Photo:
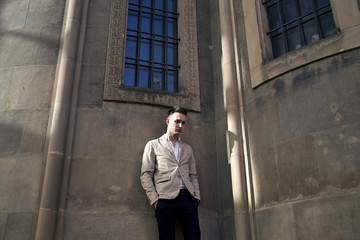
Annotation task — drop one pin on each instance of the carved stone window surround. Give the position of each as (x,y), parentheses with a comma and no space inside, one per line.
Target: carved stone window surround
(189,92)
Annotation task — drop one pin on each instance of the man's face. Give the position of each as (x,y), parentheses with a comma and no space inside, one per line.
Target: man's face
(176,123)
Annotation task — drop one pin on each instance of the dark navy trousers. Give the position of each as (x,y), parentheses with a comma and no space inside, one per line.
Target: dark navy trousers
(183,208)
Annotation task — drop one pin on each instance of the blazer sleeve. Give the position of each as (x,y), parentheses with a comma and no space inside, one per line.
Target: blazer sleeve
(193,176)
(147,173)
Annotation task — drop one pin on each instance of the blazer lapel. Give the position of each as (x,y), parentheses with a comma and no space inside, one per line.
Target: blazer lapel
(167,146)
(180,150)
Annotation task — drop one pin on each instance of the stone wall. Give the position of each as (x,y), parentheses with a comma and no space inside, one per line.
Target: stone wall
(29,44)
(304,133)
(226,209)
(302,128)
(105,198)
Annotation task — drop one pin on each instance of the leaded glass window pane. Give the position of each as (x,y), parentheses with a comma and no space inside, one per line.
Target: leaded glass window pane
(311,32)
(151,56)
(289,8)
(306,7)
(278,45)
(295,23)
(327,25)
(294,38)
(274,16)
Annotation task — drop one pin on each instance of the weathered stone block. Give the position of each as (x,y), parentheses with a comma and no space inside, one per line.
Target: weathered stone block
(208,183)
(142,227)
(209,228)
(34,132)
(12,19)
(318,97)
(44,16)
(11,130)
(31,87)
(7,5)
(128,127)
(101,184)
(93,226)
(83,184)
(18,48)
(95,45)
(275,223)
(91,87)
(19,226)
(224,191)
(347,111)
(308,108)
(266,177)
(5,84)
(49,42)
(337,153)
(329,218)
(263,123)
(298,170)
(47,4)
(3,218)
(205,161)
(20,179)
(99,13)
(227,228)
(88,137)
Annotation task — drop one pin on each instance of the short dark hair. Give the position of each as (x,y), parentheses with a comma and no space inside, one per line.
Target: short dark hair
(178,109)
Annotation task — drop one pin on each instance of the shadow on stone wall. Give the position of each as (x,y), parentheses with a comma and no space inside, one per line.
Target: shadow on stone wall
(10,139)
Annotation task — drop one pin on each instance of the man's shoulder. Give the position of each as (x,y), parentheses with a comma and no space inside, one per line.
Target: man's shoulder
(155,141)
(186,145)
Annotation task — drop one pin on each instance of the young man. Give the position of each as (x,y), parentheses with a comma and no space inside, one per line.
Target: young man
(169,178)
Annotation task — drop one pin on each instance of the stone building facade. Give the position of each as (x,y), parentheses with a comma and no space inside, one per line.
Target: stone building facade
(277,140)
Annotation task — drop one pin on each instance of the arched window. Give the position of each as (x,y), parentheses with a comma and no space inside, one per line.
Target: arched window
(296,23)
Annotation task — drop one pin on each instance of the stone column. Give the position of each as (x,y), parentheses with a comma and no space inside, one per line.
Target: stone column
(234,128)
(50,195)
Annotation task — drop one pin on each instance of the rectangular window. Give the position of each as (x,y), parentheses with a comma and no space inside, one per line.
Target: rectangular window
(151,56)
(147,33)
(296,23)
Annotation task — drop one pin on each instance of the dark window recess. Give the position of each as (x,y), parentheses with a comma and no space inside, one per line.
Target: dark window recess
(296,23)
(151,58)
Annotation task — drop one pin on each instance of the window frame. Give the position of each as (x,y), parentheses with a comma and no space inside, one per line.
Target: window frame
(188,94)
(161,61)
(261,63)
(296,24)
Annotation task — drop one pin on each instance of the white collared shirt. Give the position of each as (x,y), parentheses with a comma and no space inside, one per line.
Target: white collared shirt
(175,150)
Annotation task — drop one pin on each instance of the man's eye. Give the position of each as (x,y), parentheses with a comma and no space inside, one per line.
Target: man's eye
(178,121)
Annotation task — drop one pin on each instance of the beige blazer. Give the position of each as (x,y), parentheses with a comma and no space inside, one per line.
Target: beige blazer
(160,172)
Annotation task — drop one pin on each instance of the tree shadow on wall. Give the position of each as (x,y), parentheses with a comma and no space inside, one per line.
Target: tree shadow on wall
(23,39)
(10,140)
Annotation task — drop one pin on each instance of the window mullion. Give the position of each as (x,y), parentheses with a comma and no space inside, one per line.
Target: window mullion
(300,23)
(283,25)
(317,20)
(138,44)
(166,44)
(151,52)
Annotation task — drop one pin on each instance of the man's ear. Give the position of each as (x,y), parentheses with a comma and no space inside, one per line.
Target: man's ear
(167,121)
